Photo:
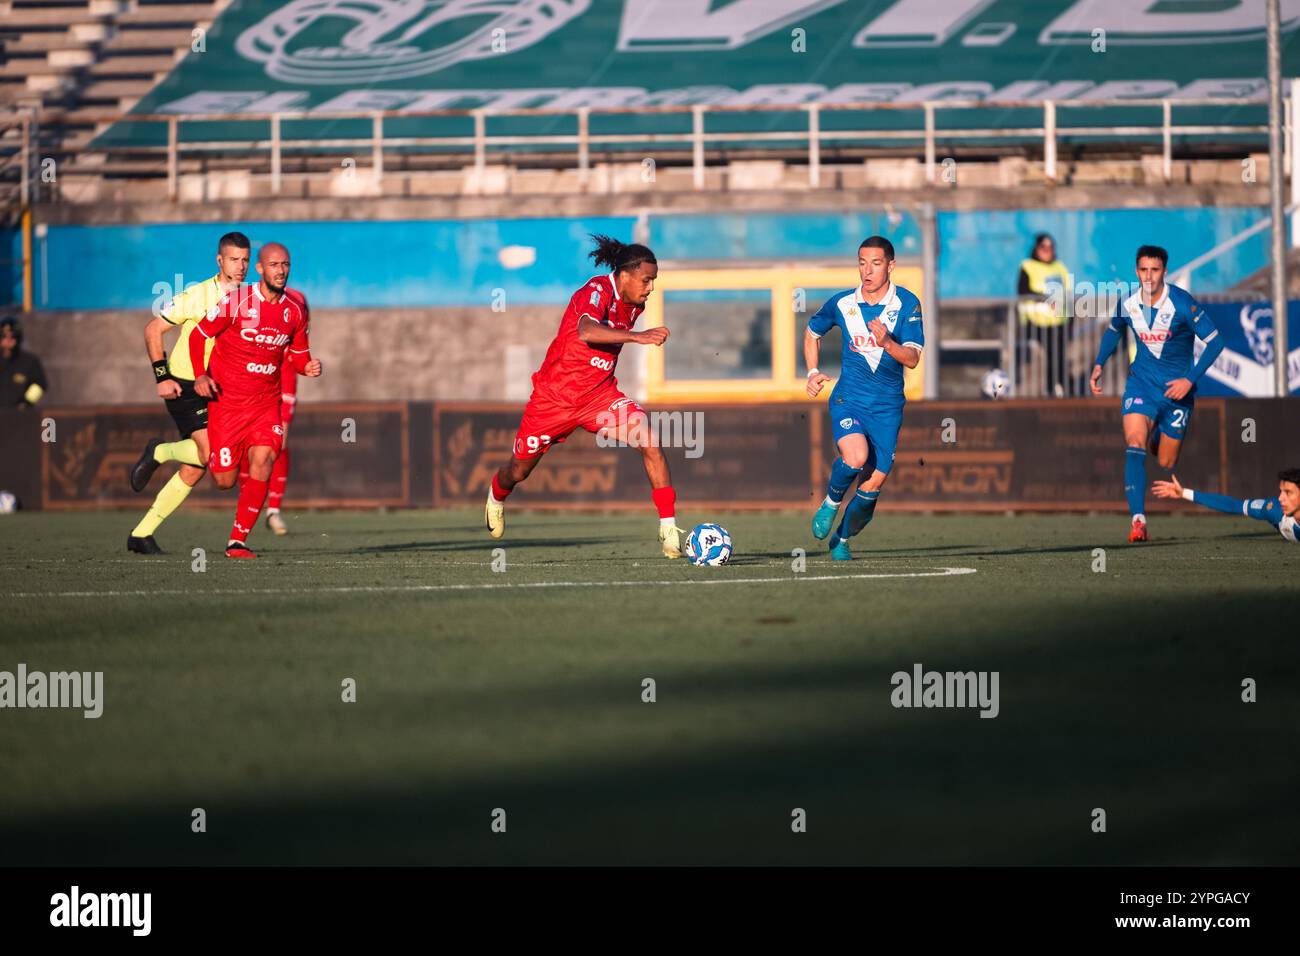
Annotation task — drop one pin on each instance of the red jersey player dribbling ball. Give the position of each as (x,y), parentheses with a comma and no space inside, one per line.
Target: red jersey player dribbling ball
(576,387)
(254,339)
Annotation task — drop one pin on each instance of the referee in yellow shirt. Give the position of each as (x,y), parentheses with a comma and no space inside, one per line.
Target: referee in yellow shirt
(175,381)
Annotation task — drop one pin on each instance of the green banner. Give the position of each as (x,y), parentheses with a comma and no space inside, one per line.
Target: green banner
(328,56)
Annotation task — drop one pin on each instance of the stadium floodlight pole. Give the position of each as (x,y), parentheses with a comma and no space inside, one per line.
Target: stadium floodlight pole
(1276,173)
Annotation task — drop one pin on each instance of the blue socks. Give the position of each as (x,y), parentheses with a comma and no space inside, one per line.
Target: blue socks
(1135,480)
(841,477)
(859,513)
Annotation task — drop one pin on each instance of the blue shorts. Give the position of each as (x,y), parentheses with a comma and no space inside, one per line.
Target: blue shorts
(1170,417)
(879,426)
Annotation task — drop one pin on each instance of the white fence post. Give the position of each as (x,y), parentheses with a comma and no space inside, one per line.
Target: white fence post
(172,165)
(929,142)
(697,138)
(1049,140)
(275,154)
(814,146)
(1166,127)
(584,145)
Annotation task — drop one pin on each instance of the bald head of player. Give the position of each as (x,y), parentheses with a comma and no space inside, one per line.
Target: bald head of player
(273,267)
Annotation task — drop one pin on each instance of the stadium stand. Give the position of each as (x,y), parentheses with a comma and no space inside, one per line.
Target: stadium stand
(82,63)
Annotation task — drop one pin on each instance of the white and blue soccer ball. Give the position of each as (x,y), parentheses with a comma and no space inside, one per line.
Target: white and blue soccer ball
(8,503)
(708,544)
(995,384)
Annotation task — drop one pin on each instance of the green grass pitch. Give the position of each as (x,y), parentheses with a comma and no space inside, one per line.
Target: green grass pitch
(478,689)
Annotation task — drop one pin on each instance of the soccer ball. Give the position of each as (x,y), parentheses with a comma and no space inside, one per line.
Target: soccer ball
(8,503)
(995,384)
(708,544)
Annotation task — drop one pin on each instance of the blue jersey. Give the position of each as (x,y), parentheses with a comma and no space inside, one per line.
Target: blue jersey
(1261,509)
(868,374)
(1165,335)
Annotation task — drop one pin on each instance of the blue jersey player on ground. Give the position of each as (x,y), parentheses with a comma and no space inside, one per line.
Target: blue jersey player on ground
(881,328)
(1161,387)
(1282,512)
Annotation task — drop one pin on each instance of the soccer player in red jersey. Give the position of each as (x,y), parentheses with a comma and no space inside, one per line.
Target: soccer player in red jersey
(258,329)
(576,387)
(280,470)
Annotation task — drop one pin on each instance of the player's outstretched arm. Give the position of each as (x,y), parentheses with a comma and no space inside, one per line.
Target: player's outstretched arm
(1258,508)
(597,333)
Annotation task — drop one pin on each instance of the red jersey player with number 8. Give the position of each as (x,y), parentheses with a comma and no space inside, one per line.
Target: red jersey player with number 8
(576,387)
(257,330)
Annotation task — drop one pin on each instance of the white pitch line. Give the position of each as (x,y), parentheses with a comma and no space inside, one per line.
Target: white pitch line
(386,589)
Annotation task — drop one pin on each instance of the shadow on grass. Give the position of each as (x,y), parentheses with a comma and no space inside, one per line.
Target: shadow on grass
(1134,710)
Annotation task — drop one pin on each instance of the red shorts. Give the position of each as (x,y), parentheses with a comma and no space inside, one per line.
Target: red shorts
(547,422)
(233,429)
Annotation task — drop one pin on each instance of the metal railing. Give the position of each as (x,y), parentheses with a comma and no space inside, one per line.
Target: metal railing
(1041,361)
(813,134)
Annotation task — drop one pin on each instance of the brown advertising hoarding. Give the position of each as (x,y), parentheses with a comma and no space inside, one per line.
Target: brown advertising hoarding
(1030,455)
(345,455)
(748,456)
(962,456)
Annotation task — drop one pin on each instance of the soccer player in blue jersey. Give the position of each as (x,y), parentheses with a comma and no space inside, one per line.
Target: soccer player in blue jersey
(1161,387)
(1282,512)
(880,324)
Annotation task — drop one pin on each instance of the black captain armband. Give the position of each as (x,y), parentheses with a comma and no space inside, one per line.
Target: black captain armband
(160,371)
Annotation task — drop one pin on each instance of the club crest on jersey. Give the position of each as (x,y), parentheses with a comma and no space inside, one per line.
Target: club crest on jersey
(846,423)
(278,429)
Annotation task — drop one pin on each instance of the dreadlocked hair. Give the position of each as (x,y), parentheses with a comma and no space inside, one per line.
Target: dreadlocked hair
(620,256)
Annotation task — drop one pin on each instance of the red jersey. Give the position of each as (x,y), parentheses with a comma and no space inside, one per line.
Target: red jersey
(573,369)
(255,340)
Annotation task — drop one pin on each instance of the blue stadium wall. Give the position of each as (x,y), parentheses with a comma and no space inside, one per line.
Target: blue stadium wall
(456,262)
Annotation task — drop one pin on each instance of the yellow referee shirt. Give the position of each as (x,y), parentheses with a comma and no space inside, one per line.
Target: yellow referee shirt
(187,310)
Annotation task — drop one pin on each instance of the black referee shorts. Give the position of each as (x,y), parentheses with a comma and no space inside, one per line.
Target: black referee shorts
(189,410)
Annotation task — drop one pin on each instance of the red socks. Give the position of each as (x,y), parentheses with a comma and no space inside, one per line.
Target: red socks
(498,492)
(279,477)
(251,495)
(666,501)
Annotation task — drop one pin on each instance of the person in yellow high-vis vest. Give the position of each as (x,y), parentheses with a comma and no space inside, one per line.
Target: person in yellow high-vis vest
(1045,313)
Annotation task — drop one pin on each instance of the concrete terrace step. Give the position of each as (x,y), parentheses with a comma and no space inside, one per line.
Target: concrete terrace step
(165,39)
(133,65)
(179,13)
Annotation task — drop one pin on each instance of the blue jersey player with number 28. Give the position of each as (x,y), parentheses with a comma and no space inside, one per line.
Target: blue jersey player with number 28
(1161,388)
(882,334)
